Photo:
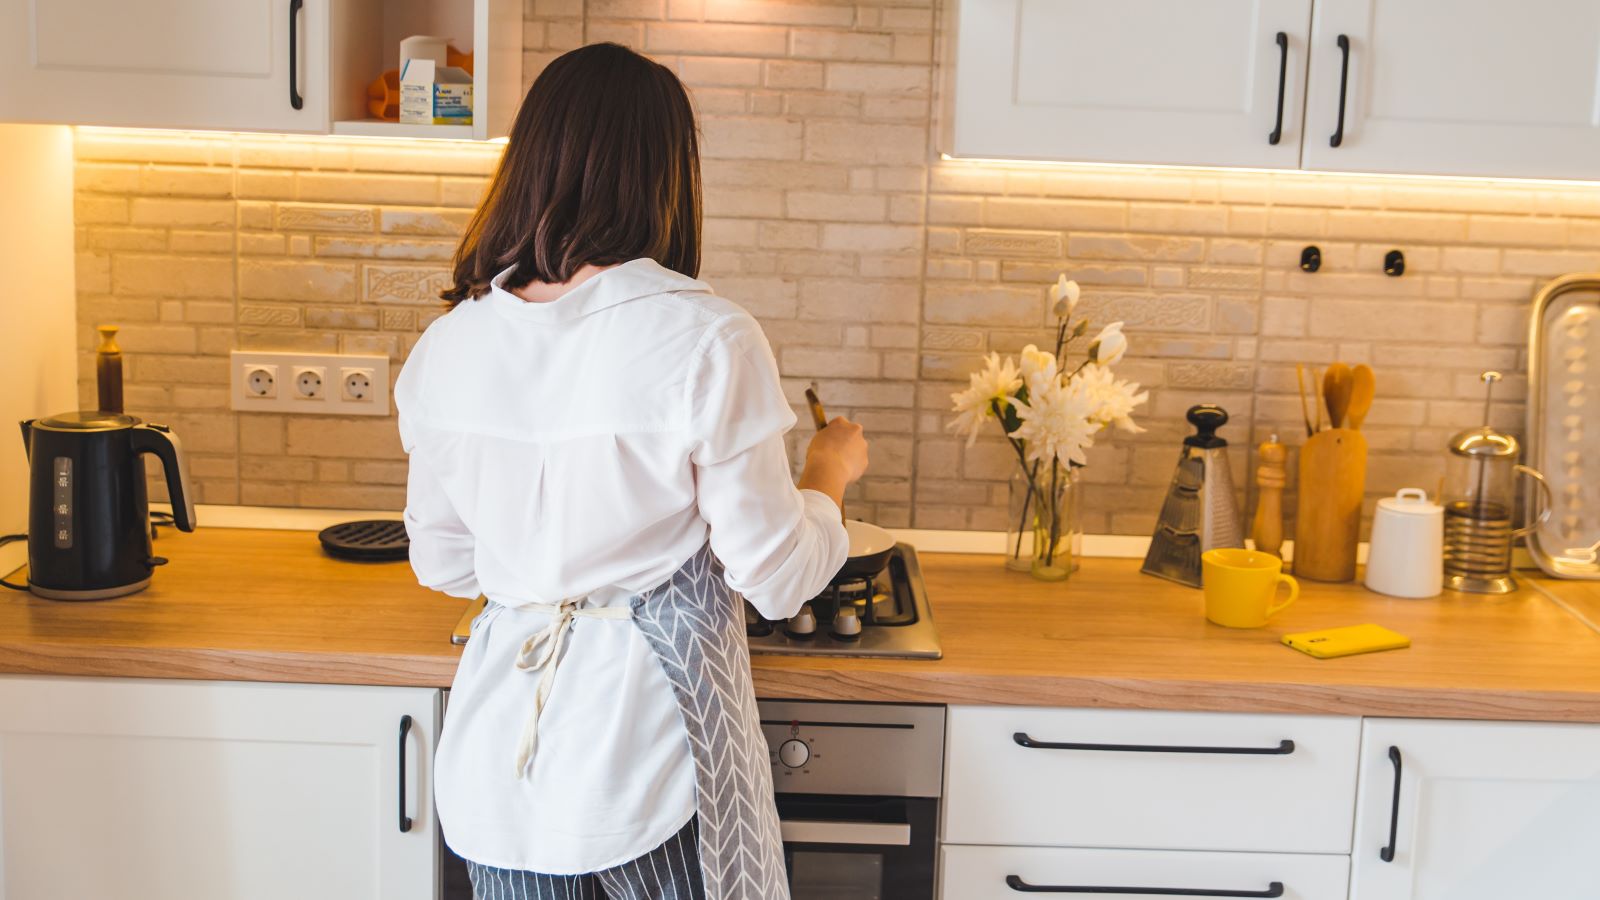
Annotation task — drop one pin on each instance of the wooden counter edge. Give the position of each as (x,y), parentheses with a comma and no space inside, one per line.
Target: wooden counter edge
(928,685)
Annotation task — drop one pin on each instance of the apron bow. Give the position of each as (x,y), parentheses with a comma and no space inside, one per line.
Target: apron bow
(541,653)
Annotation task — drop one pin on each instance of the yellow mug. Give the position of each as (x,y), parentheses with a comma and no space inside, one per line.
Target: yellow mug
(1240,586)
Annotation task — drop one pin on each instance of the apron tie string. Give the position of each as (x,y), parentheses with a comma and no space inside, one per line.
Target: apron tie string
(541,653)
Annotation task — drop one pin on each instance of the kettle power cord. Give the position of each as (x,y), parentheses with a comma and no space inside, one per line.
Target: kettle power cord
(11,539)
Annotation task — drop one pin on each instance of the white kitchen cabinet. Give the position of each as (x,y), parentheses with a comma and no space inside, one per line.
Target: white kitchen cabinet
(1138,81)
(1000,873)
(1135,779)
(1483,811)
(135,789)
(1456,87)
(222,64)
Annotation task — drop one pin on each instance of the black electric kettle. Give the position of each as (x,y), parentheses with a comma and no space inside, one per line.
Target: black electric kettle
(88,513)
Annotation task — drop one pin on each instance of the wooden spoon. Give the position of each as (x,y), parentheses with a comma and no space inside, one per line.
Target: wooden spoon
(1336,392)
(1363,385)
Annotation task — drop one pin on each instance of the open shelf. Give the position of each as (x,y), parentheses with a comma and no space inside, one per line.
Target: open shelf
(382,128)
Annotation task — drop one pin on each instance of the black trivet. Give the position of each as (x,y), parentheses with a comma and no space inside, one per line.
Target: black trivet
(370,540)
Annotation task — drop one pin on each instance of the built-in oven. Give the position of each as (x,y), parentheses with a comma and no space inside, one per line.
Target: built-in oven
(858,788)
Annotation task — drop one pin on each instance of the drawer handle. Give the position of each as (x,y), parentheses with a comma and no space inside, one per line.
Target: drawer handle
(1284,748)
(1387,853)
(1344,82)
(405,728)
(1283,71)
(1274,889)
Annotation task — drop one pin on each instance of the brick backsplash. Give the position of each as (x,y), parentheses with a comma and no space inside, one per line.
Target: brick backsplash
(878,269)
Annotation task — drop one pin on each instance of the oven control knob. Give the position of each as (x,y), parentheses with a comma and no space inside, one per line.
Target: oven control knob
(847,624)
(804,624)
(794,753)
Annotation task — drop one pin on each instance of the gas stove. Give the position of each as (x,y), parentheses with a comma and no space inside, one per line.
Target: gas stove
(885,616)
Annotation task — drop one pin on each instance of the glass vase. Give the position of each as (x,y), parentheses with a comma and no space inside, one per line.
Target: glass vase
(1044,534)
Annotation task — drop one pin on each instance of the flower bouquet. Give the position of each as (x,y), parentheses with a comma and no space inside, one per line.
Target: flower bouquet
(1050,416)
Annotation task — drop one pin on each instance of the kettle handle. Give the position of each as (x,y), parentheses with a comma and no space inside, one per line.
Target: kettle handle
(1546,503)
(164,444)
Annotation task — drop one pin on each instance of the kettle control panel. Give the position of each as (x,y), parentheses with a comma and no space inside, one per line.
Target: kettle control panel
(61,501)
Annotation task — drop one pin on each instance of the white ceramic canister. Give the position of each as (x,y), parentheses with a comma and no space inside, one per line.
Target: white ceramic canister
(1405,557)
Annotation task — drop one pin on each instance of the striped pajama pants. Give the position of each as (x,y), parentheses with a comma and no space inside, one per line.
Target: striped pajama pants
(669,872)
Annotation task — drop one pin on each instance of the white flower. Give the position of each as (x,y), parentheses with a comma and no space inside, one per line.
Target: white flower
(1064,295)
(1113,400)
(1038,367)
(1056,423)
(995,384)
(1109,345)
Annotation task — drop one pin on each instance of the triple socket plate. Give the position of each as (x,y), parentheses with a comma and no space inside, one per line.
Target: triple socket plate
(310,383)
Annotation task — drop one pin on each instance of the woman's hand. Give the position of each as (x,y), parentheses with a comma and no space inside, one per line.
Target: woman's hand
(836,458)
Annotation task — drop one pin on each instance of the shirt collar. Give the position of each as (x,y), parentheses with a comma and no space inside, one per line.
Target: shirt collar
(636,278)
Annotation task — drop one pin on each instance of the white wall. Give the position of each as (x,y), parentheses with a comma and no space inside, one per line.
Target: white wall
(38,366)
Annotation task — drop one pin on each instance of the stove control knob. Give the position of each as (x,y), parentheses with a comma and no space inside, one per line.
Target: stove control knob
(847,624)
(804,624)
(794,753)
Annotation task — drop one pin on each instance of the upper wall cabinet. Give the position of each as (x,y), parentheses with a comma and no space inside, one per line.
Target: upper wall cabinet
(258,65)
(245,65)
(1212,82)
(1429,87)
(1451,87)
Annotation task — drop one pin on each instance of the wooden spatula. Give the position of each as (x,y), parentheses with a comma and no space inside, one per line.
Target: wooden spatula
(1336,392)
(1363,385)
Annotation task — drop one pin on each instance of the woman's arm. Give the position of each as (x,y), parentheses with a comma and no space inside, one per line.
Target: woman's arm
(780,545)
(441,544)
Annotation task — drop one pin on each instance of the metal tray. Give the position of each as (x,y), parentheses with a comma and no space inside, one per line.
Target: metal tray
(1564,423)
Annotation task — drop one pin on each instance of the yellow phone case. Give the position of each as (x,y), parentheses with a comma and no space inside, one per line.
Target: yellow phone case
(1348,641)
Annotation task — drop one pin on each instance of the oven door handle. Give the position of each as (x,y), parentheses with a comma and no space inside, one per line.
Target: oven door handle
(818,831)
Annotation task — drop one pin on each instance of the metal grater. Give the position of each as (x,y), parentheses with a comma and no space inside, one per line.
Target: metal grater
(1200,511)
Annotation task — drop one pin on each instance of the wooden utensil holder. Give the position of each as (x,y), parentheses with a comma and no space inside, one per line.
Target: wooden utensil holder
(1327,526)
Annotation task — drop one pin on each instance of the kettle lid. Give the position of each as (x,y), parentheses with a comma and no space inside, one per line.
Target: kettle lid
(1206,418)
(86,420)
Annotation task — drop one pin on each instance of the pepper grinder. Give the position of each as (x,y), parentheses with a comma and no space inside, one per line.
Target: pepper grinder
(1271,476)
(108,370)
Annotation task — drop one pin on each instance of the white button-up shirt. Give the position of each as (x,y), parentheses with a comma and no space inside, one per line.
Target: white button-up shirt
(586,447)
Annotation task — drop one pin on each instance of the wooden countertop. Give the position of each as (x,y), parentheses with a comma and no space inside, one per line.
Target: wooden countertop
(269,606)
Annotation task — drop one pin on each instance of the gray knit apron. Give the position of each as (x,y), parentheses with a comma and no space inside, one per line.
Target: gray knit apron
(695,624)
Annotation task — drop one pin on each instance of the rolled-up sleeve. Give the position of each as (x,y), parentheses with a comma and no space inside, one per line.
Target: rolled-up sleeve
(779,545)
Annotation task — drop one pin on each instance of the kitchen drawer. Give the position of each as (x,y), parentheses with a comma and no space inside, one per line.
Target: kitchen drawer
(1173,781)
(982,873)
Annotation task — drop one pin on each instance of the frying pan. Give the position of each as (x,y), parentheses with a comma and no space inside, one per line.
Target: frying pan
(870,546)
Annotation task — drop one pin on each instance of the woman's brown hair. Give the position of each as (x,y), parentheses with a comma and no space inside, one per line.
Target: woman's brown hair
(602,167)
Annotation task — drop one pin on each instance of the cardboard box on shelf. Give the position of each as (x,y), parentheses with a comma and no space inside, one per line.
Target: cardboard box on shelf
(431,94)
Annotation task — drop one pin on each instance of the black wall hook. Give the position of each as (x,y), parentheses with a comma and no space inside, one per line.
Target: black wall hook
(1310,258)
(1394,264)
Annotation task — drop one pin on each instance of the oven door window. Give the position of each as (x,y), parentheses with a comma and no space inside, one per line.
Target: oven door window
(859,848)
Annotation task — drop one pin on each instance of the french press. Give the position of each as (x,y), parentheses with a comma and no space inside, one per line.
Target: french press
(1480,499)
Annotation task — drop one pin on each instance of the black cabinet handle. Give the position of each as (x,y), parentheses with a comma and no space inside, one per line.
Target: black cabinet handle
(1344,82)
(295,100)
(405,729)
(1274,889)
(1284,748)
(1283,72)
(1387,853)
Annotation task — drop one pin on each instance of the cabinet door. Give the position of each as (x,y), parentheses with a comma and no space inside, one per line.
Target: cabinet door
(1142,81)
(221,64)
(138,789)
(1456,87)
(1486,811)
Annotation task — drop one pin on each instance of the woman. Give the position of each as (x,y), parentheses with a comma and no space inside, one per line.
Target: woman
(596,446)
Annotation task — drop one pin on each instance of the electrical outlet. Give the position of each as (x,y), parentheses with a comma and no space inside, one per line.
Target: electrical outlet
(356,384)
(261,381)
(315,383)
(308,382)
